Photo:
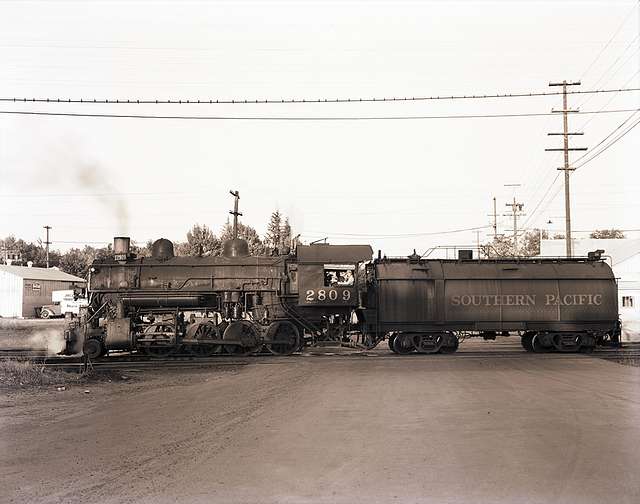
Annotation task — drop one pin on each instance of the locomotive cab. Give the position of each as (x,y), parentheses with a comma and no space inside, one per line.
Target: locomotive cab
(328,274)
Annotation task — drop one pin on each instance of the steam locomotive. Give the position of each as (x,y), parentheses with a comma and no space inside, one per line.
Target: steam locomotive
(242,304)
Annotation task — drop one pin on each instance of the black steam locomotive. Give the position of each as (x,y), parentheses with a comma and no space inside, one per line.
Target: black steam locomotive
(241,304)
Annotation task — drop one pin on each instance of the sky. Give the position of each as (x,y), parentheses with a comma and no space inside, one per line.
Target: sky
(398,184)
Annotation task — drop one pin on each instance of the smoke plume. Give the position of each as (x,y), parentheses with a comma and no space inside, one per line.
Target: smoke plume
(91,176)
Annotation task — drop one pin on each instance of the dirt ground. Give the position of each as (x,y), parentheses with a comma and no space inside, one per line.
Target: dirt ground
(521,429)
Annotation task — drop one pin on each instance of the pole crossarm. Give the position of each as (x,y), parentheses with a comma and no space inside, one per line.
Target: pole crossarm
(569,149)
(565,83)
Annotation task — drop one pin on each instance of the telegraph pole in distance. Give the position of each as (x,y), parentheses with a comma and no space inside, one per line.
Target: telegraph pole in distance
(565,133)
(516,211)
(495,219)
(235,213)
(47,243)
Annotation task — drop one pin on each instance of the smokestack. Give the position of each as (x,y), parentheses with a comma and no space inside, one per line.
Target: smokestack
(121,245)
(121,248)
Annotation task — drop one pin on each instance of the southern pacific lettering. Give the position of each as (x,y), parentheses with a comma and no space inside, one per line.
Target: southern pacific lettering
(494,300)
(526,300)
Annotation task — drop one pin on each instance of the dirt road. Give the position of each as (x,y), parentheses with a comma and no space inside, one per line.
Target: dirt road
(336,430)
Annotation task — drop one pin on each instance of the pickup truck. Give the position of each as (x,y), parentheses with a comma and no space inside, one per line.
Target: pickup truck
(64,303)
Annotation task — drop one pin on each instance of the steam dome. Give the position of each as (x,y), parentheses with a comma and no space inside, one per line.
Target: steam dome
(162,249)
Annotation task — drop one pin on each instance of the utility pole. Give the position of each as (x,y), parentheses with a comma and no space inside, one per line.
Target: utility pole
(566,168)
(235,213)
(478,243)
(516,211)
(47,243)
(495,219)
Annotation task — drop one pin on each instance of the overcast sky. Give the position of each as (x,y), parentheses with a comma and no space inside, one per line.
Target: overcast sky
(94,178)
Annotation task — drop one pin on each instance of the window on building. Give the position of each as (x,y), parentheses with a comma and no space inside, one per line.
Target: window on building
(627,301)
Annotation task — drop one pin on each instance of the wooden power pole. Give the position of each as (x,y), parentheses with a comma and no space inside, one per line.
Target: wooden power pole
(516,211)
(47,243)
(235,213)
(566,168)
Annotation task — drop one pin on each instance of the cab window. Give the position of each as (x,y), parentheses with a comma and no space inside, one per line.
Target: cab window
(339,275)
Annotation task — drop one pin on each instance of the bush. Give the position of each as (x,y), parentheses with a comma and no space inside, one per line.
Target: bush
(18,374)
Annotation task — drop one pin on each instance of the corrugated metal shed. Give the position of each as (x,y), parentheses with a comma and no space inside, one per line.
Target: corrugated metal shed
(10,295)
(40,273)
(24,290)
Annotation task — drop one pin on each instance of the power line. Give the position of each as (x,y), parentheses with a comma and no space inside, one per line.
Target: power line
(615,34)
(605,138)
(606,147)
(404,235)
(618,59)
(626,19)
(303,118)
(253,101)
(541,200)
(612,97)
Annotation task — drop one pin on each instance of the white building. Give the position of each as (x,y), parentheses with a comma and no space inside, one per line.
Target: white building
(624,258)
(24,289)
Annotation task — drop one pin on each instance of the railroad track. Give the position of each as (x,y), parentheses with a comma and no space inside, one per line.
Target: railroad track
(631,351)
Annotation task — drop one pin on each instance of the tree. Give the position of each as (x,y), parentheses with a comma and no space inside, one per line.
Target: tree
(530,242)
(201,241)
(34,252)
(500,246)
(142,250)
(256,247)
(274,231)
(607,233)
(528,245)
(77,262)
(10,247)
(285,234)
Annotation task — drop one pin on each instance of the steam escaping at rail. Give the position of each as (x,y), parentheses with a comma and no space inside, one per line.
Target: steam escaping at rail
(31,335)
(52,340)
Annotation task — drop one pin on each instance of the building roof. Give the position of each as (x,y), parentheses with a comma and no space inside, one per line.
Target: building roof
(40,273)
(618,249)
(623,285)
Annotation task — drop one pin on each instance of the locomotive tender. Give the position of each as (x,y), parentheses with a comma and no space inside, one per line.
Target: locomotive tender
(241,304)
(428,305)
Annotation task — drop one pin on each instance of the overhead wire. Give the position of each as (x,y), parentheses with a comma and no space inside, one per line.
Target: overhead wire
(609,68)
(303,118)
(604,139)
(402,235)
(607,146)
(255,101)
(615,34)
